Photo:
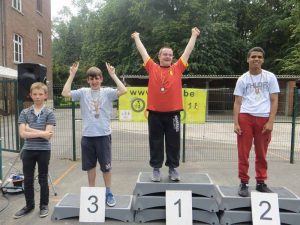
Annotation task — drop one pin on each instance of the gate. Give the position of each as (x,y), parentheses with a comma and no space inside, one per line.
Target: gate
(9,116)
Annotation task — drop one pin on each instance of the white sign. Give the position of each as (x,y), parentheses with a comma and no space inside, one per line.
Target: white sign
(92,204)
(179,209)
(265,208)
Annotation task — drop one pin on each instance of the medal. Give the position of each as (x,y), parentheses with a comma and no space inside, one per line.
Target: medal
(97,115)
(162,89)
(95,104)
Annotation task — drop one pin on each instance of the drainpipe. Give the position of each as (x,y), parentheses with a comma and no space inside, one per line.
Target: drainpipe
(3,32)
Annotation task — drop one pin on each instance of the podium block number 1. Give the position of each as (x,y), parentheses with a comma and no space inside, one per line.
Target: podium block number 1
(265,208)
(92,204)
(179,208)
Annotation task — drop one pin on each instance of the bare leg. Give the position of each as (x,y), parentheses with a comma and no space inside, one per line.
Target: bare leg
(92,177)
(107,179)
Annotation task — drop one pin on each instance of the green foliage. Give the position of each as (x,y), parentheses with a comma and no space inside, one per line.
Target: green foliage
(228,29)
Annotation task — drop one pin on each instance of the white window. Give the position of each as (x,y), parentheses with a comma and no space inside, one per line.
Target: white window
(17,4)
(40,43)
(39,6)
(18,48)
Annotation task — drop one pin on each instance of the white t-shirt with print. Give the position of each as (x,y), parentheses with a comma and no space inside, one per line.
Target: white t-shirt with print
(255,91)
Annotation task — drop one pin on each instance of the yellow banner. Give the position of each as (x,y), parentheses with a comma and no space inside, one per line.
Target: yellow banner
(132,106)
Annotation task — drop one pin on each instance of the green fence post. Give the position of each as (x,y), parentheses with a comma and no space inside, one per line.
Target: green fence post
(183,131)
(1,174)
(73,131)
(294,114)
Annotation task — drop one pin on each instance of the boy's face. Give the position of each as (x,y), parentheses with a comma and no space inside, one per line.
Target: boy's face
(95,82)
(165,57)
(255,60)
(38,96)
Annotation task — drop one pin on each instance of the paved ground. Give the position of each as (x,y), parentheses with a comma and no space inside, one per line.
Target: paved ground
(68,178)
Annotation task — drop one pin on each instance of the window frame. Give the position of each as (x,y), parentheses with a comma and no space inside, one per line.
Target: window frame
(17,5)
(40,43)
(39,6)
(18,48)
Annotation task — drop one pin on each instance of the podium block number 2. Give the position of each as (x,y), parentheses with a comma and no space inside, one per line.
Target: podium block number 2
(265,208)
(92,204)
(179,208)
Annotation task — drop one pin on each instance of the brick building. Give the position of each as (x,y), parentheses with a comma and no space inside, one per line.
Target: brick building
(25,33)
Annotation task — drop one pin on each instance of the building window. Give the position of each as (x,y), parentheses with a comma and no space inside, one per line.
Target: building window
(39,6)
(40,43)
(17,4)
(18,48)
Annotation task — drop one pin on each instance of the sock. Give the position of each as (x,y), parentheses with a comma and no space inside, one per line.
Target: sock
(107,190)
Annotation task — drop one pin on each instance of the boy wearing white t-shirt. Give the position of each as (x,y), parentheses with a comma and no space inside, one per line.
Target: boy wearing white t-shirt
(255,107)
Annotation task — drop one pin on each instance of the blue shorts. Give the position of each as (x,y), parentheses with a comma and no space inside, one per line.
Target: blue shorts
(96,148)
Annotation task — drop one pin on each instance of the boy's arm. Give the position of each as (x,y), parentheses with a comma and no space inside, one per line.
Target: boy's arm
(190,46)
(268,127)
(120,86)
(140,47)
(236,111)
(27,132)
(66,92)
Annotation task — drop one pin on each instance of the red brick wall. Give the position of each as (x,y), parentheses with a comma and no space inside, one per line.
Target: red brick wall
(27,24)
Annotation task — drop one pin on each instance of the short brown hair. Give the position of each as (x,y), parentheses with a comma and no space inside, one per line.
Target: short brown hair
(256,49)
(93,72)
(39,86)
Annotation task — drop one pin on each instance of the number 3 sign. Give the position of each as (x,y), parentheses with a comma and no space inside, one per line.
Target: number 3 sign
(92,204)
(179,208)
(265,208)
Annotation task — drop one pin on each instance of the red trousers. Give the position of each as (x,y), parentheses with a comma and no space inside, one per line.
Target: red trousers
(251,127)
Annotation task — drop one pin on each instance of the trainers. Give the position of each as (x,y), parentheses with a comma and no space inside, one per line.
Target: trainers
(110,199)
(243,190)
(155,175)
(22,212)
(262,187)
(174,175)
(44,210)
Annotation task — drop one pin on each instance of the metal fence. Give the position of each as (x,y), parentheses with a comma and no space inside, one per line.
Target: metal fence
(212,140)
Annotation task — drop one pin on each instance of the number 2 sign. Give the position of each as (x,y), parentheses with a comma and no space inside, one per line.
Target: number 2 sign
(265,208)
(179,208)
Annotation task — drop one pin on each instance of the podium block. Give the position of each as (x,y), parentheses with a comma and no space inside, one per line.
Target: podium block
(69,206)
(237,217)
(199,183)
(229,199)
(150,201)
(235,209)
(160,214)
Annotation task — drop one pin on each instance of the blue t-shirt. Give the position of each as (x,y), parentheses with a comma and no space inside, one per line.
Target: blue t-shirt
(96,108)
(39,122)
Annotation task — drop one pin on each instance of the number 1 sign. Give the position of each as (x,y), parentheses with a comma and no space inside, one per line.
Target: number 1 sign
(265,208)
(179,208)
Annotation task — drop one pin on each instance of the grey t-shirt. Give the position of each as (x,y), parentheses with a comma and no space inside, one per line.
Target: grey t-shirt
(96,109)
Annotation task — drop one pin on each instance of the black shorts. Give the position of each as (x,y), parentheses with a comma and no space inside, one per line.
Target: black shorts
(96,148)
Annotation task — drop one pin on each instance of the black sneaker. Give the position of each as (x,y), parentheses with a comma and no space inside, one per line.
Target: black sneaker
(22,212)
(262,187)
(243,190)
(44,210)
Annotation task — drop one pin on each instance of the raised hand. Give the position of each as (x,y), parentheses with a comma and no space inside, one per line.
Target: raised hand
(111,70)
(135,35)
(196,31)
(74,68)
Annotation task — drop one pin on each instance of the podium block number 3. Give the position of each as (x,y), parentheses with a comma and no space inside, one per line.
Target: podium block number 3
(179,208)
(265,208)
(92,204)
